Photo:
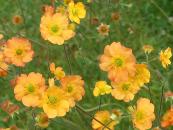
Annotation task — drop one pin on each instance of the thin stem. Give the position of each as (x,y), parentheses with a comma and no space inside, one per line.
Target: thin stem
(68,59)
(78,107)
(22,13)
(100,103)
(161,104)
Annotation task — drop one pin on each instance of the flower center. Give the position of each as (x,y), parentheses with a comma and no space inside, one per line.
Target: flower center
(104,29)
(19,51)
(52,99)
(30,88)
(125,87)
(75,12)
(69,88)
(118,62)
(54,28)
(139,116)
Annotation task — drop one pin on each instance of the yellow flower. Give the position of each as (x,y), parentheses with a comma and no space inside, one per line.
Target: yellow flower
(1,36)
(143,114)
(105,118)
(74,86)
(142,75)
(54,27)
(55,102)
(58,72)
(118,61)
(42,120)
(76,11)
(29,89)
(165,57)
(103,29)
(101,88)
(148,48)
(124,90)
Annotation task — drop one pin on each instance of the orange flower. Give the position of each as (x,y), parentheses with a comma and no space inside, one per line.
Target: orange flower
(54,27)
(143,114)
(55,102)
(74,86)
(3,65)
(103,29)
(58,72)
(148,49)
(105,118)
(29,89)
(118,61)
(124,90)
(42,120)
(167,119)
(19,51)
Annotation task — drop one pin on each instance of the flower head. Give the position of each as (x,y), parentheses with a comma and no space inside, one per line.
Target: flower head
(54,27)
(142,75)
(18,51)
(101,88)
(167,119)
(124,90)
(105,118)
(42,120)
(29,89)
(74,86)
(3,65)
(55,102)
(58,72)
(165,57)
(148,49)
(17,19)
(143,114)
(76,11)
(118,61)
(103,29)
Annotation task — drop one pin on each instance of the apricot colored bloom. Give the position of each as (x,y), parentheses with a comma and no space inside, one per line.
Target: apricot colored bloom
(17,19)
(74,86)
(165,57)
(118,61)
(58,71)
(124,90)
(101,88)
(143,114)
(29,89)
(105,118)
(167,119)
(18,51)
(103,29)
(55,102)
(54,27)
(148,48)
(76,11)
(42,120)
(3,65)
(142,75)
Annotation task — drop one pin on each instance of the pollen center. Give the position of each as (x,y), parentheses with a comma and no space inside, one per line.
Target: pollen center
(30,88)
(125,87)
(52,99)
(139,116)
(19,51)
(118,62)
(55,29)
(69,88)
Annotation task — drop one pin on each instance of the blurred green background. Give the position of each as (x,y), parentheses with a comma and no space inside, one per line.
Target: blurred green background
(140,22)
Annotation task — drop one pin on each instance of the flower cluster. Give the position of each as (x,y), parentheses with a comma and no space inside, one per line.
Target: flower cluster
(127,77)
(56,100)
(55,25)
